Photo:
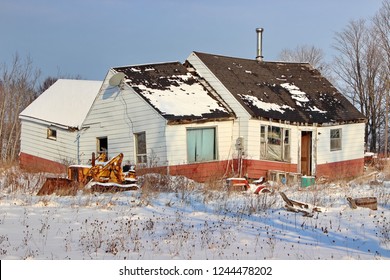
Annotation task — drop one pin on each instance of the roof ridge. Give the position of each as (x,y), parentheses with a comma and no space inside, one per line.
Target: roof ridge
(253,59)
(147,64)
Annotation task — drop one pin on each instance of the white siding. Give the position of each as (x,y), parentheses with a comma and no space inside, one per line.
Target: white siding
(352,143)
(117,115)
(34,141)
(177,140)
(253,150)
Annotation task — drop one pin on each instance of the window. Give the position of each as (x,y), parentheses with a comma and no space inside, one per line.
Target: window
(274,143)
(140,147)
(51,134)
(201,144)
(263,141)
(101,145)
(286,144)
(335,139)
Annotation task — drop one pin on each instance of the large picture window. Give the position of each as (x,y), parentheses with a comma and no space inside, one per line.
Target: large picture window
(201,144)
(274,143)
(335,139)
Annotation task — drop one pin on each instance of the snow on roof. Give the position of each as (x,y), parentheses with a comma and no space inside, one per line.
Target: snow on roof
(174,92)
(264,105)
(180,98)
(295,92)
(65,103)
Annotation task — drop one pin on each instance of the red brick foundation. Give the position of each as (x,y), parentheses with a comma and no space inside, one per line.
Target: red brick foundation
(202,172)
(341,169)
(258,168)
(205,171)
(38,164)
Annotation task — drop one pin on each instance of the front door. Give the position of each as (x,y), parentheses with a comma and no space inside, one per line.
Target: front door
(306,151)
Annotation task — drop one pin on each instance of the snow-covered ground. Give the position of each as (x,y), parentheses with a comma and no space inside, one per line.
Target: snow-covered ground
(174,218)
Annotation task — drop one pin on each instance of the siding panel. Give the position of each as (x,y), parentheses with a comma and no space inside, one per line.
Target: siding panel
(352,143)
(117,115)
(35,142)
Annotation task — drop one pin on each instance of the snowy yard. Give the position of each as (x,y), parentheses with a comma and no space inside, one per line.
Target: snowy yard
(174,218)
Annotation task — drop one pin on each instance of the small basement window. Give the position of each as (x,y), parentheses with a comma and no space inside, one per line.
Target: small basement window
(101,145)
(335,139)
(51,134)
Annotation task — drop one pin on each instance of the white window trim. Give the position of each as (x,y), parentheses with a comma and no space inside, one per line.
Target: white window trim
(215,155)
(51,134)
(339,147)
(264,142)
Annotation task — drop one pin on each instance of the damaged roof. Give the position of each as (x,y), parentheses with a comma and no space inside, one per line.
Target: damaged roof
(293,92)
(174,92)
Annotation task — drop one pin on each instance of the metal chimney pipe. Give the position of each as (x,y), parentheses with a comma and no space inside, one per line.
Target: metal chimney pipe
(259,56)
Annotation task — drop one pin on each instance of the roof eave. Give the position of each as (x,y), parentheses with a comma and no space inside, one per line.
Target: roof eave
(198,121)
(49,123)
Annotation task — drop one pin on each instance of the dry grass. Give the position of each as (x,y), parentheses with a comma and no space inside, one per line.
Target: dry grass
(124,234)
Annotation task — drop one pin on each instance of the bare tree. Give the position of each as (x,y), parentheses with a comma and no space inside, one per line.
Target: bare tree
(310,54)
(361,69)
(17,91)
(382,28)
(48,82)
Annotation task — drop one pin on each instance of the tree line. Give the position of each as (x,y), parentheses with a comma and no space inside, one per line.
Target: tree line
(360,69)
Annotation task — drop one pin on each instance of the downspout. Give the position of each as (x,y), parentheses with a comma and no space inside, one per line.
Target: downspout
(78,146)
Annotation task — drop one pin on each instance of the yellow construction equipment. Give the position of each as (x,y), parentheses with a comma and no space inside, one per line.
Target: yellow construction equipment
(100,176)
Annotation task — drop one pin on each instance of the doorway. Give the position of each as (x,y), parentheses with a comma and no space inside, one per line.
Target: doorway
(306,153)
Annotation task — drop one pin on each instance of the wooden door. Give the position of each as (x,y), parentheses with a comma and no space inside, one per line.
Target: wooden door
(306,153)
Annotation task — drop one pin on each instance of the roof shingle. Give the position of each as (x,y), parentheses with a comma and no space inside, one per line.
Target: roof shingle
(292,92)
(174,92)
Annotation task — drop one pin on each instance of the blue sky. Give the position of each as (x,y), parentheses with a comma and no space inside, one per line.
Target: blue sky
(87,37)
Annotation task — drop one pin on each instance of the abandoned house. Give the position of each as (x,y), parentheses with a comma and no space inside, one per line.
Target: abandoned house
(211,116)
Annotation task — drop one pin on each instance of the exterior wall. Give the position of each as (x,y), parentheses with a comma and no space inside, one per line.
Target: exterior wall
(34,142)
(352,144)
(253,148)
(117,115)
(341,169)
(347,162)
(259,168)
(206,171)
(176,136)
(38,164)
(200,172)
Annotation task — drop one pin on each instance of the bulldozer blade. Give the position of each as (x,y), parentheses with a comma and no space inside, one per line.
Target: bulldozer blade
(59,186)
(111,188)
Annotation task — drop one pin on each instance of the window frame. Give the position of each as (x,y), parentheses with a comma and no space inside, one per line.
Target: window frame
(199,145)
(336,143)
(141,157)
(99,145)
(272,135)
(51,134)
